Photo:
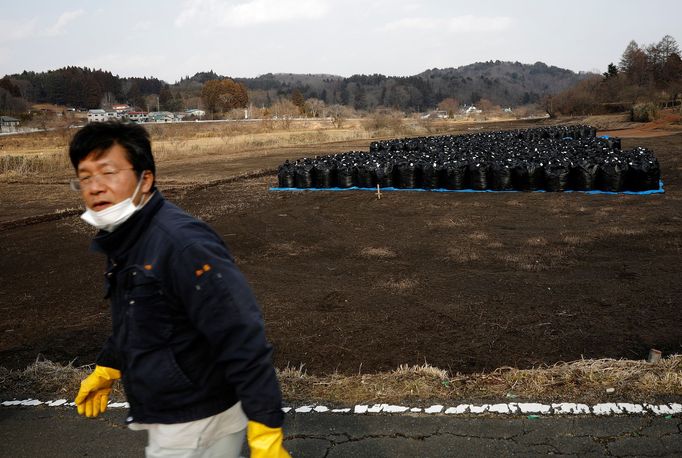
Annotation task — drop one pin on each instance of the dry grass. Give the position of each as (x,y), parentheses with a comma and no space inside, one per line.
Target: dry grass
(241,144)
(22,165)
(575,240)
(47,380)
(449,222)
(615,230)
(289,249)
(584,381)
(478,236)
(537,241)
(527,262)
(515,203)
(577,381)
(399,284)
(462,254)
(540,259)
(44,153)
(377,252)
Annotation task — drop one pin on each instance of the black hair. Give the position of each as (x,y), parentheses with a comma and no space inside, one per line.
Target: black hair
(97,137)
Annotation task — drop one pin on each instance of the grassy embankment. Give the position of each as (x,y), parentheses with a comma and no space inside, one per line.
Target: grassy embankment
(579,381)
(44,154)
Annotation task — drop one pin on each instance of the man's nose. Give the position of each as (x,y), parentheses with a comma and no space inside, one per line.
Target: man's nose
(96,185)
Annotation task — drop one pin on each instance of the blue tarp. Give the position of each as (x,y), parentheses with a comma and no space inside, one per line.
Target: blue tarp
(355,188)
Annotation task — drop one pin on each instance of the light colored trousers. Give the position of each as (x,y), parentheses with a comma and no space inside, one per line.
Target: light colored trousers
(221,435)
(226,447)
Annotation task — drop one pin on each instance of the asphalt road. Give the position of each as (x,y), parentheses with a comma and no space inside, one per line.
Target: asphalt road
(60,432)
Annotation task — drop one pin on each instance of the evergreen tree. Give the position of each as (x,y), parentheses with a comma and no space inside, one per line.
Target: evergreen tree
(135,97)
(166,99)
(10,87)
(298,99)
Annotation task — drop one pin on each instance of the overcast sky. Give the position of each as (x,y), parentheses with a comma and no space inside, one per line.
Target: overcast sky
(169,39)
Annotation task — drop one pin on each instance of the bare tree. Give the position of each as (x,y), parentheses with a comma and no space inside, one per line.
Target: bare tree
(487,106)
(667,47)
(107,101)
(284,108)
(451,105)
(314,107)
(338,115)
(635,64)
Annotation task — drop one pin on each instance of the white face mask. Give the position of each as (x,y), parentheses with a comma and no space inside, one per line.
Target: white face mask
(112,217)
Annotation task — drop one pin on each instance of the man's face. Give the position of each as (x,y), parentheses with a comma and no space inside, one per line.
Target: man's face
(110,179)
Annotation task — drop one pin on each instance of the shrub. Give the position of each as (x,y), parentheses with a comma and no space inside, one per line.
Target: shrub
(644,112)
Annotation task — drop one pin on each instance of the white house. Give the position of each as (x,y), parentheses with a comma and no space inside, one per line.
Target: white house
(160,116)
(8,124)
(97,115)
(137,116)
(472,110)
(197,113)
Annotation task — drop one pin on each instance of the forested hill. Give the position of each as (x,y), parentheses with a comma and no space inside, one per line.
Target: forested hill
(502,83)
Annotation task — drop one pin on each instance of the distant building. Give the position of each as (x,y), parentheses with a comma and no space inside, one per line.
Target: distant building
(197,113)
(160,116)
(120,108)
(97,115)
(8,124)
(137,116)
(436,114)
(472,110)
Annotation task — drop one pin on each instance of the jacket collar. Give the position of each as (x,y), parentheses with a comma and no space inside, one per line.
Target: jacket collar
(116,243)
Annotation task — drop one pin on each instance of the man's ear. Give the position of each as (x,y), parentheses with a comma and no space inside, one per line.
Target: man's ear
(147,181)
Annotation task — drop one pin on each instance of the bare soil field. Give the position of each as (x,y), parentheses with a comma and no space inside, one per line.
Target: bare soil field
(350,283)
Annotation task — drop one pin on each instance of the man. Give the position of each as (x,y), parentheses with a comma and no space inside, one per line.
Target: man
(188,341)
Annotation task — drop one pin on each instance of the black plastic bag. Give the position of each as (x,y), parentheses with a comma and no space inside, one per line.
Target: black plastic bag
(344,176)
(583,176)
(612,176)
(385,175)
(556,177)
(285,175)
(303,176)
(536,176)
(407,175)
(478,175)
(455,176)
(430,175)
(500,177)
(643,175)
(366,177)
(323,175)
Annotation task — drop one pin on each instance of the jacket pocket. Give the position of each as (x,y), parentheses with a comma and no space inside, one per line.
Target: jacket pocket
(156,378)
(149,318)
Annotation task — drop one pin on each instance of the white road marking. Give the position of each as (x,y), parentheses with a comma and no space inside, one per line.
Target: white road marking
(512,408)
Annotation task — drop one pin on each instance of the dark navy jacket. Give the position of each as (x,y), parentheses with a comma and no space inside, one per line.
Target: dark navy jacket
(188,334)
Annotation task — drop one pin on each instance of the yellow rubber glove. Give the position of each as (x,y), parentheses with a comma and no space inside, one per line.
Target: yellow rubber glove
(265,442)
(93,395)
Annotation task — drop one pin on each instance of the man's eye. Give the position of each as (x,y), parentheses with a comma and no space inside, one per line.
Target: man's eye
(85,179)
(109,173)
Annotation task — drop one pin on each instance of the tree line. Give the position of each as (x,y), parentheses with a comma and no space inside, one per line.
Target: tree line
(646,76)
(648,73)
(502,83)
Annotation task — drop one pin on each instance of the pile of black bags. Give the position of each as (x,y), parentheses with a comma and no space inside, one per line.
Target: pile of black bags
(556,159)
